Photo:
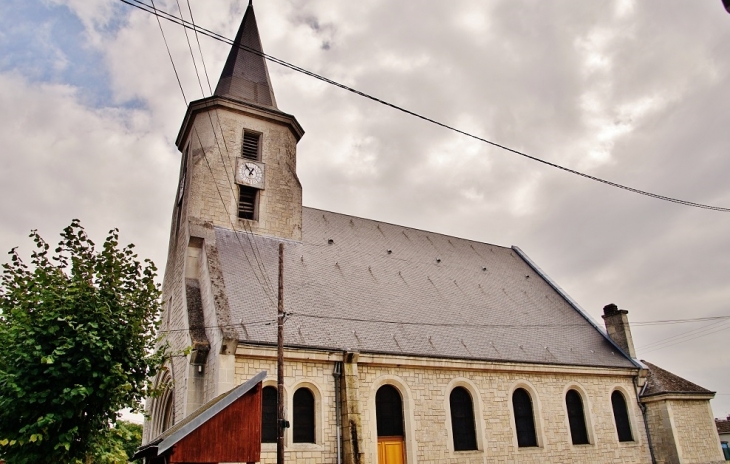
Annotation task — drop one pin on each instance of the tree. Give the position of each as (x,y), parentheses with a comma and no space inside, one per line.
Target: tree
(77,336)
(118,445)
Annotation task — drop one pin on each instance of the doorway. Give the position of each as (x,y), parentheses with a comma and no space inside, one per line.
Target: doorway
(389,418)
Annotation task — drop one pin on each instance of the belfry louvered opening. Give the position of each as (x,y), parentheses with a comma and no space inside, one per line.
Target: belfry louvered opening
(251,145)
(247,202)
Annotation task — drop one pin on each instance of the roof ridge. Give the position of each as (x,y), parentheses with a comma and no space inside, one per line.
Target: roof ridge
(416,229)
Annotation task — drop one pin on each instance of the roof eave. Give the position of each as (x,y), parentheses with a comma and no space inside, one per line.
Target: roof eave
(247,108)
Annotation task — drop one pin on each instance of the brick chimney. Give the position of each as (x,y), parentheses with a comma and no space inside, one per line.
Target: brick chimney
(617,326)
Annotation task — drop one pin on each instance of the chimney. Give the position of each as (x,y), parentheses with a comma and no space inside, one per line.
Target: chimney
(617,326)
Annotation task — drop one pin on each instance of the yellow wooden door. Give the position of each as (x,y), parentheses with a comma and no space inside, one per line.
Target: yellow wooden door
(391,450)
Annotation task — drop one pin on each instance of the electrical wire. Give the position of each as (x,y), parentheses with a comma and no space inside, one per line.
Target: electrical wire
(177,76)
(195,65)
(247,324)
(172,18)
(267,289)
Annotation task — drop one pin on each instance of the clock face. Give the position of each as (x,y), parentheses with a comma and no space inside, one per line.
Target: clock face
(252,173)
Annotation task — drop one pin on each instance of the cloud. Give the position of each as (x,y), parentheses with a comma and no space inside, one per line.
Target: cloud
(634,92)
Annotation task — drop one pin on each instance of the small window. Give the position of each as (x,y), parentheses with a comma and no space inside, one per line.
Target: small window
(576,418)
(247,202)
(524,418)
(389,412)
(303,416)
(250,145)
(462,420)
(268,415)
(621,416)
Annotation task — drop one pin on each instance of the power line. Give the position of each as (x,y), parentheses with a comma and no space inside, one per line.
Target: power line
(172,18)
(267,288)
(198,327)
(680,321)
(253,244)
(200,49)
(168,52)
(197,74)
(676,340)
(254,248)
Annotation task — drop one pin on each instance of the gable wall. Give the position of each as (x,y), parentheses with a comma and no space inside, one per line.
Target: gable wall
(426,389)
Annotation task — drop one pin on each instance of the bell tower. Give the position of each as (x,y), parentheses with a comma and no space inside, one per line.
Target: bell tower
(237,172)
(239,149)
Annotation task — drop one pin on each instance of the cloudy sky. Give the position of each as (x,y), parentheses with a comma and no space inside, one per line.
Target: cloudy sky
(637,92)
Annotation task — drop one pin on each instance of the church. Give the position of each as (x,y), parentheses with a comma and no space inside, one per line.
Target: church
(401,345)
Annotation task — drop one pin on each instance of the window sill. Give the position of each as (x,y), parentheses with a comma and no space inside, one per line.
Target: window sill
(305,447)
(476,452)
(530,449)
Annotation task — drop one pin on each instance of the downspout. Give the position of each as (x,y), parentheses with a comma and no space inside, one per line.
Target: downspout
(643,414)
(337,374)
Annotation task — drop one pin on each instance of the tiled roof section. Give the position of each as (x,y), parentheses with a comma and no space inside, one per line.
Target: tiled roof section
(723,426)
(362,285)
(245,77)
(660,381)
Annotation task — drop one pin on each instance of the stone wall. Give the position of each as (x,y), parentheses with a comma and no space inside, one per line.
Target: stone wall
(683,431)
(425,388)
(214,193)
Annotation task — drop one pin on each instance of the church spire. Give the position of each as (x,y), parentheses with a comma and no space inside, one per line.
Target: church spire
(245,76)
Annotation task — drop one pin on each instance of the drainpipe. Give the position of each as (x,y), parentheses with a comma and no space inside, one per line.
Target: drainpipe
(643,414)
(337,374)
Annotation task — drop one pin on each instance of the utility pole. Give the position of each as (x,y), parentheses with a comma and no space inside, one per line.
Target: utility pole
(281,423)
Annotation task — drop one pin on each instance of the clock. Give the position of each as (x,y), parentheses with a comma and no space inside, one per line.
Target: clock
(250,173)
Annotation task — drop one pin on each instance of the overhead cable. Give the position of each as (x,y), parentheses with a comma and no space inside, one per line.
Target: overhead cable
(172,18)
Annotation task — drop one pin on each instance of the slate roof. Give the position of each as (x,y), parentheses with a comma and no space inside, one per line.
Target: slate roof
(660,381)
(245,76)
(363,285)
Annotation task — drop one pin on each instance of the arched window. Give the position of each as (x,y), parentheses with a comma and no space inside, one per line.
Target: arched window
(389,412)
(167,413)
(621,416)
(524,418)
(303,416)
(268,415)
(462,420)
(576,418)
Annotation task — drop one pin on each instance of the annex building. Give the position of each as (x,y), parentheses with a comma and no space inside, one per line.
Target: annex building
(401,345)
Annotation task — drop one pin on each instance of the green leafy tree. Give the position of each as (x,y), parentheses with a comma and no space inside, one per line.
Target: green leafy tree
(77,344)
(118,445)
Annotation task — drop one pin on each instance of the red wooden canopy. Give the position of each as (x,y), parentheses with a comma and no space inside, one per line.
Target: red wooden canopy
(225,429)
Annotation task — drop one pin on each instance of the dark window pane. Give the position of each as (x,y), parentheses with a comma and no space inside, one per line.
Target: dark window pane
(576,418)
(621,416)
(462,420)
(303,416)
(389,412)
(524,418)
(246,202)
(250,145)
(268,415)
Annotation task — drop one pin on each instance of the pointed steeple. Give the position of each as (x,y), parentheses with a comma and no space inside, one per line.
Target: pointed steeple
(245,76)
